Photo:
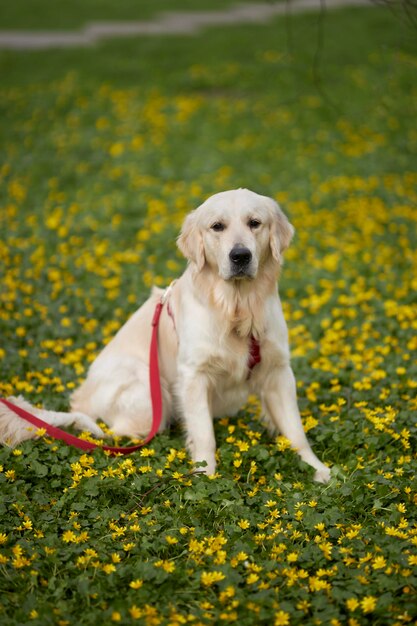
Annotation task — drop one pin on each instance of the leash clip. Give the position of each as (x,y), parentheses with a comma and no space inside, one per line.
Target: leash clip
(167,292)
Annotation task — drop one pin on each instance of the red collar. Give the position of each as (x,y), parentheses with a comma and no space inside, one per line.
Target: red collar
(254,354)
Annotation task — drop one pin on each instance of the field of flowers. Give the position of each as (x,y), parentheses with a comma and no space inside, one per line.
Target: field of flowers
(104,151)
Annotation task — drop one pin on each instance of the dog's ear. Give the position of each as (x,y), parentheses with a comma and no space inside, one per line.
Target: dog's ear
(190,241)
(281,231)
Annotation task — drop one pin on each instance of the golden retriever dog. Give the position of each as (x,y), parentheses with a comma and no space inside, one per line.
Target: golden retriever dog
(222,337)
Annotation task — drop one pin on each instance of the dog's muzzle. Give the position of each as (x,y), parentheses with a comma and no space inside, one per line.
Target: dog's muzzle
(240,261)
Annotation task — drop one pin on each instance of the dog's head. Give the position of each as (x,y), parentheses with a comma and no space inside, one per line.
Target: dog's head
(235,233)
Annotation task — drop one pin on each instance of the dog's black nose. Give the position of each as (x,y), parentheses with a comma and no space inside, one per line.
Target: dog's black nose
(240,256)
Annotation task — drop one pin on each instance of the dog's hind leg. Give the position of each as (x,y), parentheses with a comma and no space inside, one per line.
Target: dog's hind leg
(132,412)
(117,391)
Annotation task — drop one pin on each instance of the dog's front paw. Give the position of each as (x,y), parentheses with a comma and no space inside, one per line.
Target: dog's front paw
(322,475)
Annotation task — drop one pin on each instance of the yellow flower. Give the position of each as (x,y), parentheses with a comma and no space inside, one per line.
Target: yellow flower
(326,547)
(244,524)
(69,536)
(20,561)
(368,604)
(135,612)
(252,578)
(171,540)
(352,604)
(228,593)
(242,445)
(147,452)
(136,584)
(116,149)
(86,460)
(210,578)
(282,443)
(145,510)
(379,562)
(167,566)
(317,584)
(282,618)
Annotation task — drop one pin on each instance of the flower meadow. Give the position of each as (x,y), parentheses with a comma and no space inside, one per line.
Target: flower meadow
(104,151)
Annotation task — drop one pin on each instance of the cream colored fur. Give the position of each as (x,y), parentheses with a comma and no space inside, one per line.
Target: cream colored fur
(204,356)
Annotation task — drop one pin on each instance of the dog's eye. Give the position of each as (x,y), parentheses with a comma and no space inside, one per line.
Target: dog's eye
(253,224)
(218,227)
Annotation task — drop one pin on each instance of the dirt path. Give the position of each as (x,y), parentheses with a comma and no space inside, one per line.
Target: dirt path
(175,23)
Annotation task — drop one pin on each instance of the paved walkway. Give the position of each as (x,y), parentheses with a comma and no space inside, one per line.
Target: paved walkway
(175,23)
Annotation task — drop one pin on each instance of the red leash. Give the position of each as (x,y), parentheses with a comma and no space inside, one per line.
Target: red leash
(156,397)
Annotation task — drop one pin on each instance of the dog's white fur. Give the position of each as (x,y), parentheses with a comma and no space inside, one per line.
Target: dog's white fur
(204,345)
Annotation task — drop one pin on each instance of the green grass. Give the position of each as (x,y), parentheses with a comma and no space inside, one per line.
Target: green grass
(70,14)
(103,153)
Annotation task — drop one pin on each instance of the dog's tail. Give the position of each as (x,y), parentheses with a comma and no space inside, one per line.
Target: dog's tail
(14,429)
